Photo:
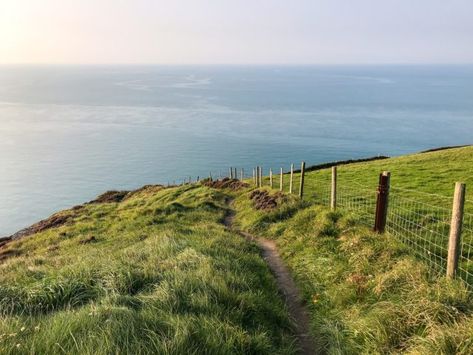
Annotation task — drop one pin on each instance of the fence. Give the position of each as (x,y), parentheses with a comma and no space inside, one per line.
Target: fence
(434,227)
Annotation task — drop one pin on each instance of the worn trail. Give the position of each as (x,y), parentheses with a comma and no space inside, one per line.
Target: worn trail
(294,301)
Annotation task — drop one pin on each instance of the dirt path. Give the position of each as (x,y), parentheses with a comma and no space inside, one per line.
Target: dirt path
(286,285)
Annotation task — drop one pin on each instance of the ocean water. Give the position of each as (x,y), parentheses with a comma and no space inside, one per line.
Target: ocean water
(68,133)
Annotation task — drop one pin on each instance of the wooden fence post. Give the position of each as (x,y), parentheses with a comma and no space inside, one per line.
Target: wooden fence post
(230,173)
(254,176)
(281,181)
(291,179)
(242,174)
(301,186)
(210,176)
(235,175)
(454,241)
(382,202)
(270,177)
(260,176)
(333,194)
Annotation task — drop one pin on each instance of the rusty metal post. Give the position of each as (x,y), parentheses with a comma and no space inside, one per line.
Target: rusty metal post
(301,186)
(382,202)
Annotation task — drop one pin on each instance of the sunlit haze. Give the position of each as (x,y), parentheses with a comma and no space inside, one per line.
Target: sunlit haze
(239,32)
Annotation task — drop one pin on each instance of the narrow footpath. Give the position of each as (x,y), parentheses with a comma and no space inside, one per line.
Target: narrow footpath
(286,285)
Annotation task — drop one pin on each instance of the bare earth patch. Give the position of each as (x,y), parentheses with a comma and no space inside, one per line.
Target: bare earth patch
(226,183)
(264,201)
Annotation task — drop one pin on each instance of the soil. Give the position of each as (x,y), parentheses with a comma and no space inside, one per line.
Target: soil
(226,183)
(54,221)
(89,239)
(286,285)
(5,254)
(264,201)
(110,196)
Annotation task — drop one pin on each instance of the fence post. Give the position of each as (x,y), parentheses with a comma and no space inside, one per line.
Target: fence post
(382,202)
(260,176)
(291,178)
(301,186)
(242,174)
(230,173)
(210,176)
(333,195)
(281,181)
(235,175)
(270,177)
(456,229)
(254,176)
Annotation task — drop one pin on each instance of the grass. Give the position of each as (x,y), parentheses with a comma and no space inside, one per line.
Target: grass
(371,293)
(366,292)
(161,275)
(421,194)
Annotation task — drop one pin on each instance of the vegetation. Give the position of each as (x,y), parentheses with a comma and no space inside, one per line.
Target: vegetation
(422,174)
(156,273)
(159,273)
(368,293)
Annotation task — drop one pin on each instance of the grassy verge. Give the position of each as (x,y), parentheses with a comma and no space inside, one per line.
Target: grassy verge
(366,292)
(156,273)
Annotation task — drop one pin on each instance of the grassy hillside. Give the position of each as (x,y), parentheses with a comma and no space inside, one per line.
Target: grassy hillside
(370,293)
(156,273)
(422,174)
(159,273)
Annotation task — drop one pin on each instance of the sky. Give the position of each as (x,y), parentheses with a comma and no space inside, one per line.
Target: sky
(235,31)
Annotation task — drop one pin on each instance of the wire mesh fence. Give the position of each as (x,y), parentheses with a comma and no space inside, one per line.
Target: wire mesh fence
(421,226)
(420,220)
(465,262)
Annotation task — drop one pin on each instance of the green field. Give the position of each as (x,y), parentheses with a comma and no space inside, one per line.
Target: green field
(159,273)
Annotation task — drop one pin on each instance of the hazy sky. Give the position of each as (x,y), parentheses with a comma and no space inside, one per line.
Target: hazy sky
(236,31)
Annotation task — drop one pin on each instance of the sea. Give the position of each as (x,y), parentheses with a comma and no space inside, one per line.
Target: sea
(69,133)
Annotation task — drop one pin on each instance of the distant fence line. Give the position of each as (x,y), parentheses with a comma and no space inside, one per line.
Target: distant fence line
(436,228)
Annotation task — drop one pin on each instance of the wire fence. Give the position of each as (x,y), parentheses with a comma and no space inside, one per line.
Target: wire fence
(422,221)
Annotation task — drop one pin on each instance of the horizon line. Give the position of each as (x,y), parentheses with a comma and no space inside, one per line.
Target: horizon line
(239,64)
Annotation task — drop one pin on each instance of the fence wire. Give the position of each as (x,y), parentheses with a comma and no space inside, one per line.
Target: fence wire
(465,262)
(421,226)
(419,220)
(357,198)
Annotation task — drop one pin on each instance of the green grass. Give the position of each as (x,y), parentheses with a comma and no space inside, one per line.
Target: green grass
(159,273)
(163,276)
(367,293)
(371,293)
(423,174)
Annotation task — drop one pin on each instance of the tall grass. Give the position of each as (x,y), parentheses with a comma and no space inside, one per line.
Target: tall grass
(367,293)
(161,276)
